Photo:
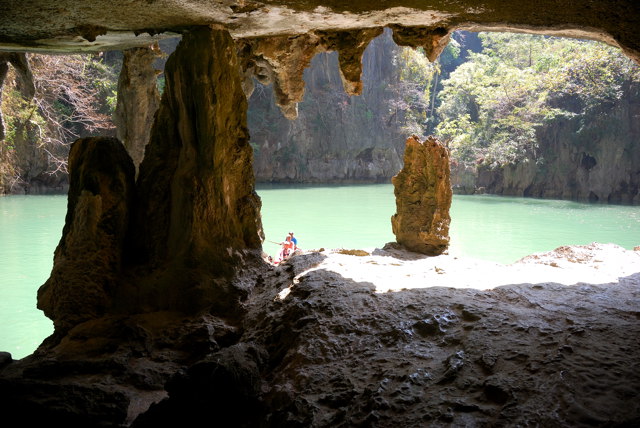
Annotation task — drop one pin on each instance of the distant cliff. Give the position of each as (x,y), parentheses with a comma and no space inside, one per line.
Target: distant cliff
(593,158)
(336,138)
(584,154)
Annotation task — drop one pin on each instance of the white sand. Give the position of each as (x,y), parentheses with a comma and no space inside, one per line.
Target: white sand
(594,264)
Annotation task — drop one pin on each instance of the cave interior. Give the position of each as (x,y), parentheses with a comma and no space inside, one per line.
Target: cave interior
(165,313)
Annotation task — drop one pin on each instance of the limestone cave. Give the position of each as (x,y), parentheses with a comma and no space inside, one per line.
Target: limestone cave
(165,312)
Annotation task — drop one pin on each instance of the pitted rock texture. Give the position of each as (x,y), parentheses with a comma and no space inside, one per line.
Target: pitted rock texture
(516,355)
(88,259)
(423,197)
(87,26)
(317,349)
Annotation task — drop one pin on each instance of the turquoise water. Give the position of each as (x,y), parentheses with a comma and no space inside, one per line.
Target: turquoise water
(30,228)
(496,228)
(493,228)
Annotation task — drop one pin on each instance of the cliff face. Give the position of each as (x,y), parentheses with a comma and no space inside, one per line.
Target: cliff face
(336,137)
(591,158)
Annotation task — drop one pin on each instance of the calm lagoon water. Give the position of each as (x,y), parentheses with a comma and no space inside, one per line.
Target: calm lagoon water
(496,228)
(500,229)
(30,228)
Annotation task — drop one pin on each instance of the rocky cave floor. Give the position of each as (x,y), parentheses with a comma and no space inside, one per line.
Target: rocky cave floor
(388,339)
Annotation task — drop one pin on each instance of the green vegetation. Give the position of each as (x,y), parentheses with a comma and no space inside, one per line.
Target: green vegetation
(75,97)
(412,100)
(492,106)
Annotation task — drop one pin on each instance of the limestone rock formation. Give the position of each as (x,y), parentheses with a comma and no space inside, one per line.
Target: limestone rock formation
(198,327)
(72,26)
(174,246)
(423,197)
(88,259)
(197,209)
(334,351)
(138,100)
(366,147)
(281,60)
(433,40)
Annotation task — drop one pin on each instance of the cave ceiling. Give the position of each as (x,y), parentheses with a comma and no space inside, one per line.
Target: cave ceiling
(67,26)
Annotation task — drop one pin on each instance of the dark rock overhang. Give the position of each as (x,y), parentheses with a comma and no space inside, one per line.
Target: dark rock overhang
(98,25)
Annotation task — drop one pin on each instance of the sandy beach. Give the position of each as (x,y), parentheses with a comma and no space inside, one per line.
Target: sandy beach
(394,270)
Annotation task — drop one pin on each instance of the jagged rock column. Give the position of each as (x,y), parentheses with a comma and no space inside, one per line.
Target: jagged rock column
(197,209)
(195,218)
(138,100)
(281,61)
(87,263)
(423,197)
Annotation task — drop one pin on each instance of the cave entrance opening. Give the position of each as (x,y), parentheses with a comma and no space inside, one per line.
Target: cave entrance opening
(520,113)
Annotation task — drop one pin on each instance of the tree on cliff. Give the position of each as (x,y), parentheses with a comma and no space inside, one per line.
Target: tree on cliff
(493,106)
(74,97)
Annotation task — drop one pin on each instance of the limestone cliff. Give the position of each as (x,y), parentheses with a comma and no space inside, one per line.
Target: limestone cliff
(592,157)
(335,137)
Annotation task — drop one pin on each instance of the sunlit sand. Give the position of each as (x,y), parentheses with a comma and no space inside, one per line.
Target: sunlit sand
(593,264)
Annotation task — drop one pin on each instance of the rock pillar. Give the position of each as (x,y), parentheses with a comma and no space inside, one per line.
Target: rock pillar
(138,100)
(197,208)
(88,260)
(195,217)
(423,197)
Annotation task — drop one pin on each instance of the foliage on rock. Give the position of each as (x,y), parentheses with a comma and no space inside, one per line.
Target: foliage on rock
(493,106)
(74,97)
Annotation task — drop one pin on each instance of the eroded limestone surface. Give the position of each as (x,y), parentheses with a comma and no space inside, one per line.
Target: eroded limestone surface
(172,241)
(88,260)
(317,349)
(186,315)
(423,197)
(69,25)
(279,38)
